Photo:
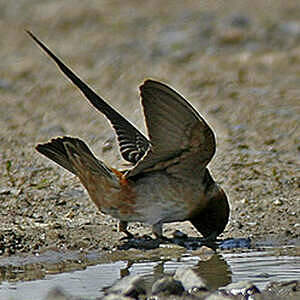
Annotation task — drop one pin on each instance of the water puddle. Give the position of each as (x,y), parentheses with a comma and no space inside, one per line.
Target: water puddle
(87,274)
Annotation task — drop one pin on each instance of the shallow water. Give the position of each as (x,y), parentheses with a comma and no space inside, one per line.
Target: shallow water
(257,265)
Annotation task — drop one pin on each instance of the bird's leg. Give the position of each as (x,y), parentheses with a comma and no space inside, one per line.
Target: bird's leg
(157,230)
(123,228)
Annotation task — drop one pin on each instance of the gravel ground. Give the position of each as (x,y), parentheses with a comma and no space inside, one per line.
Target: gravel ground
(239,67)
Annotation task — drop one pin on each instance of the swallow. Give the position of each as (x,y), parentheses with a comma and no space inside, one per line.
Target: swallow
(168,179)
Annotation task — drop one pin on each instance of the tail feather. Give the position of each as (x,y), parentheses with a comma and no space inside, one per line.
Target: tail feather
(56,151)
(75,156)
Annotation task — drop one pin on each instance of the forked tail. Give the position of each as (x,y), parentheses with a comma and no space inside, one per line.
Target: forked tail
(75,156)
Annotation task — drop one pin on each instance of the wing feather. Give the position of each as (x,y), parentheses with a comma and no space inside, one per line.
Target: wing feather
(133,144)
(177,132)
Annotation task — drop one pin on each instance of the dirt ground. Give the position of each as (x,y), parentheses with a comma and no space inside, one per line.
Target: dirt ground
(238,62)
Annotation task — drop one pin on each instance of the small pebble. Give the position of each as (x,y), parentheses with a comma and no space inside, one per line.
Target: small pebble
(278,202)
(190,279)
(168,286)
(242,288)
(131,286)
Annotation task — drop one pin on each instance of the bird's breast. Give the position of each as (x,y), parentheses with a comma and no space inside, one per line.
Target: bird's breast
(162,198)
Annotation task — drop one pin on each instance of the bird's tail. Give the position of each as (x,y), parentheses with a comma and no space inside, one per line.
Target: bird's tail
(75,156)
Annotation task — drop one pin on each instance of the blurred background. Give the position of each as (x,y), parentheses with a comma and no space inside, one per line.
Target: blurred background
(236,61)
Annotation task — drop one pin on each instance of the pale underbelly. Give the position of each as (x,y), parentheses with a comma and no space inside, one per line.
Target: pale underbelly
(160,200)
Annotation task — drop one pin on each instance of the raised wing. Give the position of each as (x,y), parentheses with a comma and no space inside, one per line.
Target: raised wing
(133,144)
(179,136)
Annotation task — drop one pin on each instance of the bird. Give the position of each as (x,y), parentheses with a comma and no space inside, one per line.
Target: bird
(167,179)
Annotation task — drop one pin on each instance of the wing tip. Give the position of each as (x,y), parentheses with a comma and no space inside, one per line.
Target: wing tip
(159,85)
(35,38)
(150,83)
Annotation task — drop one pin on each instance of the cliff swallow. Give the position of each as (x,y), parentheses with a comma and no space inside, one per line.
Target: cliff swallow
(168,179)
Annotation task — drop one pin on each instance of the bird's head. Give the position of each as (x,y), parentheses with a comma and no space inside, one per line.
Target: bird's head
(211,220)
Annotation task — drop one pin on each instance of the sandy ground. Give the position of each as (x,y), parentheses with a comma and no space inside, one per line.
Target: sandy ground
(238,62)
